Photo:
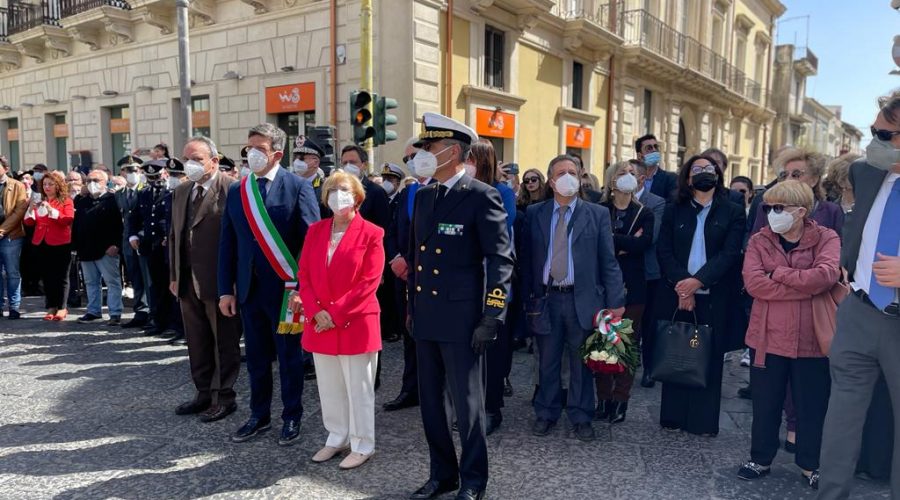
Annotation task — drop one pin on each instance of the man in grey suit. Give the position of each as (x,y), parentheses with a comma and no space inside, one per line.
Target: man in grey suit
(867,337)
(569,273)
(657,205)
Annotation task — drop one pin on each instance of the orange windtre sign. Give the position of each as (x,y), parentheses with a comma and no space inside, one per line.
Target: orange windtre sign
(200,119)
(60,130)
(495,123)
(578,137)
(119,126)
(291,98)
(12,134)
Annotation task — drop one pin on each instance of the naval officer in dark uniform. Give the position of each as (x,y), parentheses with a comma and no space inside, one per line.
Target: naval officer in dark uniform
(458,285)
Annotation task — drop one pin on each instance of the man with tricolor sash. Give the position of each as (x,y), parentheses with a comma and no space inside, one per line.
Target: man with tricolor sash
(264,224)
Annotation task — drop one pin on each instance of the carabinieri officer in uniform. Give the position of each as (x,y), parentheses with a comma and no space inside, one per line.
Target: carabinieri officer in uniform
(458,286)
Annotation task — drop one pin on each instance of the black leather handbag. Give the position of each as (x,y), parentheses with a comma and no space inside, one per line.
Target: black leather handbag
(682,352)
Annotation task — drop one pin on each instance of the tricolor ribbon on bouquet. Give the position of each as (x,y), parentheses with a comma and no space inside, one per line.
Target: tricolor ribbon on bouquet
(607,326)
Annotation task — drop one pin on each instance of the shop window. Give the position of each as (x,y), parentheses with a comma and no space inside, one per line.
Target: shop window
(11,144)
(494,53)
(60,133)
(200,116)
(119,134)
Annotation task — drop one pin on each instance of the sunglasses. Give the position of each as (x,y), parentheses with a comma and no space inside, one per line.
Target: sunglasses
(407,158)
(529,180)
(794,174)
(620,220)
(884,135)
(777,208)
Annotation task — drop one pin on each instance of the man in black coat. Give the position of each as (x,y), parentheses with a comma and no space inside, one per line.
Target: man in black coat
(376,207)
(659,182)
(97,234)
(458,287)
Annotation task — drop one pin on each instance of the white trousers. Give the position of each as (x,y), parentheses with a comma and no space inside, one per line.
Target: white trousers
(347,393)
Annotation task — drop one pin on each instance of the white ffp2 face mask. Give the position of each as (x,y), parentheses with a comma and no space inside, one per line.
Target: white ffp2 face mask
(96,188)
(299,166)
(781,223)
(172,183)
(627,183)
(567,185)
(193,170)
(351,169)
(388,187)
(257,160)
(340,202)
(132,179)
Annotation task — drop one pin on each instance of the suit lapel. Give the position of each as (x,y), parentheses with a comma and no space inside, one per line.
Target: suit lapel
(545,215)
(210,198)
(274,187)
(576,221)
(867,190)
(341,253)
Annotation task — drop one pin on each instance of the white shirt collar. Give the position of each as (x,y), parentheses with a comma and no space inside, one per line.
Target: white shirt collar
(638,194)
(453,180)
(209,182)
(270,175)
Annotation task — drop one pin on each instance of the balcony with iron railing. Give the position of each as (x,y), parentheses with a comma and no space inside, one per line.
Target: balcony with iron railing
(24,15)
(69,8)
(806,61)
(3,21)
(641,29)
(597,11)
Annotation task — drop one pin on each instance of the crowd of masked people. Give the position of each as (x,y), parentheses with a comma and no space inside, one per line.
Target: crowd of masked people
(467,260)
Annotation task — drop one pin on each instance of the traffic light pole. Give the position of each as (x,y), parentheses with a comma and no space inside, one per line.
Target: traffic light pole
(184,69)
(365,52)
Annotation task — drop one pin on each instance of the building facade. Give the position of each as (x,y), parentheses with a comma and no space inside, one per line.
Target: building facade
(792,66)
(88,81)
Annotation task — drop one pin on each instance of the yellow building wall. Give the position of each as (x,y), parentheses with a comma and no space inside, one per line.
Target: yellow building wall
(599,105)
(745,141)
(460,59)
(540,82)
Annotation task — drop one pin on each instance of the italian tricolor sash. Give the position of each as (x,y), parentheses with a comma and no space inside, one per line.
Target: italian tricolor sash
(276,252)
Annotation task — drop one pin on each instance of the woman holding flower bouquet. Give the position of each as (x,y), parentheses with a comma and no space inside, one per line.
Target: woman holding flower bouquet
(632,226)
(790,269)
(699,251)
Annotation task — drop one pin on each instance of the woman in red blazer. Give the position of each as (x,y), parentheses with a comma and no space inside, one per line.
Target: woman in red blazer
(340,268)
(52,218)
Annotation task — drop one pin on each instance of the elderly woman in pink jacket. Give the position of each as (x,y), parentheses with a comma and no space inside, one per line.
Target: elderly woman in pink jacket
(790,268)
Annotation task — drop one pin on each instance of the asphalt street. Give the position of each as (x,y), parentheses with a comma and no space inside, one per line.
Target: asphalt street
(87,411)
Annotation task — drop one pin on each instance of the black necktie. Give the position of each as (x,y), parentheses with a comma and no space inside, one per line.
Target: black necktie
(441,193)
(262,181)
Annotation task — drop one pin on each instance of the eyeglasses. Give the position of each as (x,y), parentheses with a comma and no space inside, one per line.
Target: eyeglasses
(699,169)
(884,135)
(407,158)
(777,208)
(529,180)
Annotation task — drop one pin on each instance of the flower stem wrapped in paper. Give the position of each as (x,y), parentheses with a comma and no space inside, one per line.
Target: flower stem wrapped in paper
(611,348)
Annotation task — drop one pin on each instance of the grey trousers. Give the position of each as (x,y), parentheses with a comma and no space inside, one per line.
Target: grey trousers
(866,343)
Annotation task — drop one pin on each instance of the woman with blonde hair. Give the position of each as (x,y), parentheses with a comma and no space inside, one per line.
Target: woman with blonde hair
(837,181)
(632,227)
(340,269)
(52,219)
(790,266)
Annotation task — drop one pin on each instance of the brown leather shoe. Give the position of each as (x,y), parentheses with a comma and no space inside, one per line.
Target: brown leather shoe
(217,412)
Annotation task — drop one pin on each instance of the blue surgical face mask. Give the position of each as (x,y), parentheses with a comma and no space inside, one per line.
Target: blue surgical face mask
(652,159)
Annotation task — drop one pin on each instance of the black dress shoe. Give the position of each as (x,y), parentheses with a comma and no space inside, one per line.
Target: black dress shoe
(617,411)
(541,427)
(253,427)
(470,494)
(14,315)
(138,321)
(404,400)
(433,488)
(507,388)
(646,381)
(178,339)
(745,393)
(584,431)
(602,411)
(493,423)
(217,412)
(191,407)
(290,431)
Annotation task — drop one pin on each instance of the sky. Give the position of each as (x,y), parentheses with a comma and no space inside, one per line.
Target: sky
(853,41)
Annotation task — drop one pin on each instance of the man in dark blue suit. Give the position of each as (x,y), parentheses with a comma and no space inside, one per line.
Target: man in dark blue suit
(569,273)
(659,182)
(459,282)
(396,247)
(249,282)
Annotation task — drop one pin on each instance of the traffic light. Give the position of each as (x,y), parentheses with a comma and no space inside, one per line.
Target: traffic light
(383,120)
(361,115)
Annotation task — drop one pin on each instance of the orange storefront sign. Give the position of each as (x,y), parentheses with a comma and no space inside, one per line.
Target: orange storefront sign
(494,123)
(60,130)
(120,126)
(291,98)
(200,119)
(578,137)
(12,134)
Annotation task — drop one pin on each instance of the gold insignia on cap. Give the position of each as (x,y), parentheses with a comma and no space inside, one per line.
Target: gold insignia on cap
(436,134)
(496,298)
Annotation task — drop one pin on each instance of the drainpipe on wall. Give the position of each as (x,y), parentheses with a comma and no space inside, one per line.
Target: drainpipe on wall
(333,35)
(612,80)
(448,62)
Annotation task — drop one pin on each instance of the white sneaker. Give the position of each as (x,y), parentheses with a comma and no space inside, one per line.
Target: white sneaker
(745,358)
(128,293)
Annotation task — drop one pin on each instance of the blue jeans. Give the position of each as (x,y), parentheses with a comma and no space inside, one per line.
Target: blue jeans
(107,268)
(10,252)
